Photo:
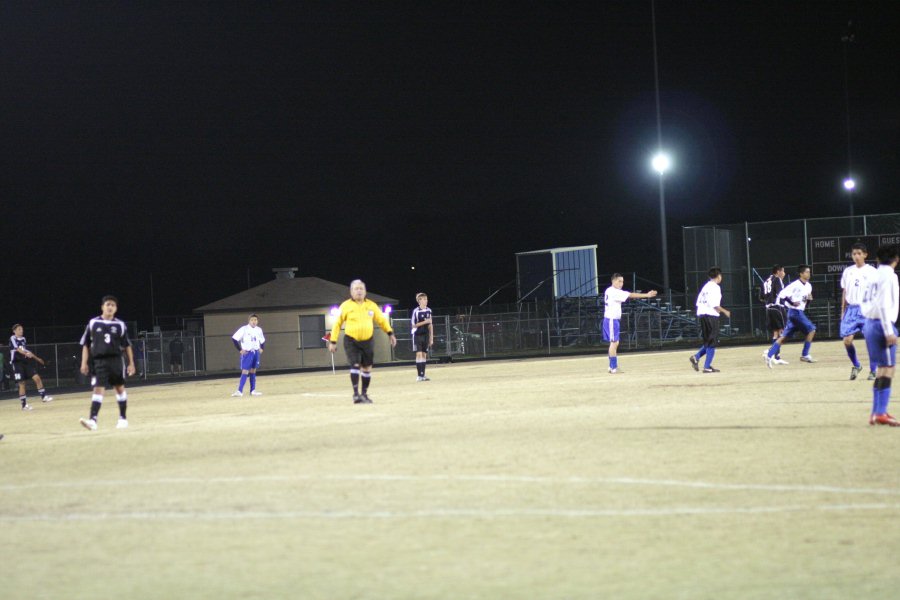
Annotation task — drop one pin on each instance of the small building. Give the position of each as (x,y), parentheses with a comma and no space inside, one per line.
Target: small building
(295,313)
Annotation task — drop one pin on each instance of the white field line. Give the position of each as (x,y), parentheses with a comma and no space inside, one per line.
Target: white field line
(500,479)
(444,513)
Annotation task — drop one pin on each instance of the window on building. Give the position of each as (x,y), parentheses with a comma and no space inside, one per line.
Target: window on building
(312,330)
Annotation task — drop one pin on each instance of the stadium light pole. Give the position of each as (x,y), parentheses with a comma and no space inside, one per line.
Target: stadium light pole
(850,186)
(661,161)
(848,38)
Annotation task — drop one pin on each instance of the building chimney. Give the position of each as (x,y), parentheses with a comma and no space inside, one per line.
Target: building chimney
(285,272)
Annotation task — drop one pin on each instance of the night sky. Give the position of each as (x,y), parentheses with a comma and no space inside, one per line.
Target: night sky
(197,142)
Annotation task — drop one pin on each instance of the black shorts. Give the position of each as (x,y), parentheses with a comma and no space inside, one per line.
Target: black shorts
(108,371)
(776,316)
(175,359)
(23,370)
(420,342)
(359,353)
(709,330)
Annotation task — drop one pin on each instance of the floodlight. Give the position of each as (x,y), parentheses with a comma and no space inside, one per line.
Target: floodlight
(661,163)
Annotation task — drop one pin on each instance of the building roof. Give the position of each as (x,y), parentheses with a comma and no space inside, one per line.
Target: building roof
(298,292)
(558,250)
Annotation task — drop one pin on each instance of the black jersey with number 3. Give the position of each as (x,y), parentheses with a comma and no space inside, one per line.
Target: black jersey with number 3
(105,338)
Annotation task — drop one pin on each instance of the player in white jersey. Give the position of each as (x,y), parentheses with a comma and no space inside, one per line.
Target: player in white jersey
(796,296)
(880,306)
(853,282)
(613,298)
(709,308)
(250,342)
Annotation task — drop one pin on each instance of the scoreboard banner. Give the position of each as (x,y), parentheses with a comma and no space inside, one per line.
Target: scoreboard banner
(831,255)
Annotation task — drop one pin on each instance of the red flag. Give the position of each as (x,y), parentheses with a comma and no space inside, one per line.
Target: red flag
(326,337)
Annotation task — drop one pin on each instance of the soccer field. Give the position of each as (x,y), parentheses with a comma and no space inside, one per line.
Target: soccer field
(515,479)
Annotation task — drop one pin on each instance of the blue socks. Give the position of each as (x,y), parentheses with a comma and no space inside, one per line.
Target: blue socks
(243,381)
(851,352)
(881,395)
(806,346)
(710,353)
(614,362)
(774,350)
(701,353)
(252,381)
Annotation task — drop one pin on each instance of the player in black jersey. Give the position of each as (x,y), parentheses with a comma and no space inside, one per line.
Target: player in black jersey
(776,314)
(423,334)
(104,340)
(23,363)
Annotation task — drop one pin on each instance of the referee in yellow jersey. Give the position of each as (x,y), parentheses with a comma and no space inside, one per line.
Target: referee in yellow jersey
(359,315)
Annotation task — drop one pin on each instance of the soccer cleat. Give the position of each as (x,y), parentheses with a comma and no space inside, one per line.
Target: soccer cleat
(47,399)
(871,376)
(807,359)
(770,361)
(780,361)
(854,371)
(886,419)
(255,393)
(419,378)
(357,399)
(237,394)
(711,370)
(122,424)
(364,399)
(694,363)
(872,419)
(26,407)
(89,424)
(613,371)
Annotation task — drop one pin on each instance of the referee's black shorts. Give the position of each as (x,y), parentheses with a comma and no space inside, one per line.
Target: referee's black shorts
(709,330)
(108,371)
(776,316)
(360,353)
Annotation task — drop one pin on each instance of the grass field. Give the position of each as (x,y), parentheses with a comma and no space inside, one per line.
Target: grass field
(516,479)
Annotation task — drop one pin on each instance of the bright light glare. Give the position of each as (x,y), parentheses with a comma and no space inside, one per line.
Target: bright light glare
(387,309)
(335,311)
(849,184)
(661,163)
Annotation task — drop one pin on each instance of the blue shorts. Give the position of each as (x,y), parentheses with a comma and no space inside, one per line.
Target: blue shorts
(852,321)
(611,330)
(250,360)
(879,352)
(797,321)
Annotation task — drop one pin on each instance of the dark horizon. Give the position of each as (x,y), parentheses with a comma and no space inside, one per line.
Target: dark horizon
(195,142)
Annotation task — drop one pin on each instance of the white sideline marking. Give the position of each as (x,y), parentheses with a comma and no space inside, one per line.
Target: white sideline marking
(461,478)
(444,513)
